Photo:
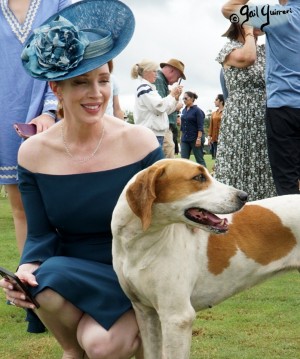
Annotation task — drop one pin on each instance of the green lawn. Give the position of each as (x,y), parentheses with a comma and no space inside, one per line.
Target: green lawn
(261,323)
(208,160)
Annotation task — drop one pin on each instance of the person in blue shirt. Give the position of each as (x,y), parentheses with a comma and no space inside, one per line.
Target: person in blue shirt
(23,99)
(281,26)
(192,129)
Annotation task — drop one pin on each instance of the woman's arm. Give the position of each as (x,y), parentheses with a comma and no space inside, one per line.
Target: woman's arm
(244,56)
(156,104)
(42,239)
(232,7)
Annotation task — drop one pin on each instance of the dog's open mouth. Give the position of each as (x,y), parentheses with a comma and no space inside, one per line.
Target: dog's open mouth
(207,219)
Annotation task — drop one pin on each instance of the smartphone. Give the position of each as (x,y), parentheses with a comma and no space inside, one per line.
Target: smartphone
(179,82)
(18,285)
(25,130)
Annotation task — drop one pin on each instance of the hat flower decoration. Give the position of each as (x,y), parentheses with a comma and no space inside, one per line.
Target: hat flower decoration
(57,47)
(78,39)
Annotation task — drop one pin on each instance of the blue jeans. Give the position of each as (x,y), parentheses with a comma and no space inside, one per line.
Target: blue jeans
(214,146)
(160,140)
(188,147)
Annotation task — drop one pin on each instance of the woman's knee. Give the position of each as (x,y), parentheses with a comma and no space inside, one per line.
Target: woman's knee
(115,343)
(111,348)
(50,300)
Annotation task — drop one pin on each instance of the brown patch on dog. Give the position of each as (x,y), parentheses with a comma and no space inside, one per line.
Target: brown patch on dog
(256,231)
(141,194)
(165,181)
(179,180)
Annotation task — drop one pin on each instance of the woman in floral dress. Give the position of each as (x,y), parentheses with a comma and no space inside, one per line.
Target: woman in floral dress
(242,159)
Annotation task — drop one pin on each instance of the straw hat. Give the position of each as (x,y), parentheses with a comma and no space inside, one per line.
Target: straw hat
(78,39)
(175,63)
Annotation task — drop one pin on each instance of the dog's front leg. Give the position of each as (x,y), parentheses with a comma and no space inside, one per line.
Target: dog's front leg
(177,333)
(150,330)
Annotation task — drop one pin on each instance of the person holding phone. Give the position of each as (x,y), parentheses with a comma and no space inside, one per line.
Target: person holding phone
(150,108)
(67,259)
(23,99)
(171,72)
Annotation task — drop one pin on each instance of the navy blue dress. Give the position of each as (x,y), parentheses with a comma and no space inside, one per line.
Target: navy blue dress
(69,233)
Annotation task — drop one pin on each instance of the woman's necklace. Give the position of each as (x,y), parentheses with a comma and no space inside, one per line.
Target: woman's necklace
(84,159)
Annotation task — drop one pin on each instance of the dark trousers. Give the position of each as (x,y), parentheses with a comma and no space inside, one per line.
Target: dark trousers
(283,135)
(188,147)
(214,147)
(174,130)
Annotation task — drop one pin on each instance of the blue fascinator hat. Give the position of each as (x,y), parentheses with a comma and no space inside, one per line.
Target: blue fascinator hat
(78,39)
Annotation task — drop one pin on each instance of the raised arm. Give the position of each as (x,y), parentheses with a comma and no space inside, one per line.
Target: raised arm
(232,6)
(246,55)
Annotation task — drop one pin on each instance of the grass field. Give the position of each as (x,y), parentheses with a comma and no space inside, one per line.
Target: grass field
(261,323)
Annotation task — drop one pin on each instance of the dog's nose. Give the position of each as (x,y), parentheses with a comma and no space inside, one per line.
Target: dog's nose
(243,196)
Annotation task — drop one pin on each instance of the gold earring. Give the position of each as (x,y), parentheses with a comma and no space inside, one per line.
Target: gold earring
(59,105)
(60,110)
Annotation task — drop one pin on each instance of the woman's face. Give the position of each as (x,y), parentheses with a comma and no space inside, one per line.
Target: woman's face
(150,76)
(188,101)
(85,97)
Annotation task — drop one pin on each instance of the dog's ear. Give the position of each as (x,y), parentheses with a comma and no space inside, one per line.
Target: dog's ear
(141,193)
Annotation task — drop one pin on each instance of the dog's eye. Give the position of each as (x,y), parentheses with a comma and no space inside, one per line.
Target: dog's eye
(200,178)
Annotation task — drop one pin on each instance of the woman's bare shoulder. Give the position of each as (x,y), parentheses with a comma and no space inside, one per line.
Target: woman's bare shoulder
(135,140)
(140,136)
(35,149)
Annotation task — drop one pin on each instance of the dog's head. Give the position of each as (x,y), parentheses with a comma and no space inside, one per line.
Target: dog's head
(178,190)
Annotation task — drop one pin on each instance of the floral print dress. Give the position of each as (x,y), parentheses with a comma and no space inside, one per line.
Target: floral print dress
(242,158)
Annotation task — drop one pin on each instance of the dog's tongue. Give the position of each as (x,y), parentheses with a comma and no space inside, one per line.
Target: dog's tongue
(206,218)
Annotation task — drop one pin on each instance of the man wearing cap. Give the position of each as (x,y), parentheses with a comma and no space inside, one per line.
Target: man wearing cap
(170,73)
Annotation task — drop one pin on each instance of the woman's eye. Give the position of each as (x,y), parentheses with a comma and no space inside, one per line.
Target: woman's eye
(79,82)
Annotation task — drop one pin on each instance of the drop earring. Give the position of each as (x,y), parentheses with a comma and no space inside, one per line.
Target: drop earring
(60,110)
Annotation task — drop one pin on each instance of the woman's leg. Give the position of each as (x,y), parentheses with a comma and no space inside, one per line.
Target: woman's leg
(215,148)
(18,213)
(198,152)
(121,341)
(185,151)
(62,319)
(80,336)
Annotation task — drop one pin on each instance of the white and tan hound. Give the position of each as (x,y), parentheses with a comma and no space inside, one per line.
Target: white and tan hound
(170,271)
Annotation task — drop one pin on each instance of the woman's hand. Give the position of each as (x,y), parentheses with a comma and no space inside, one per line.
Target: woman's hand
(15,296)
(198,142)
(176,91)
